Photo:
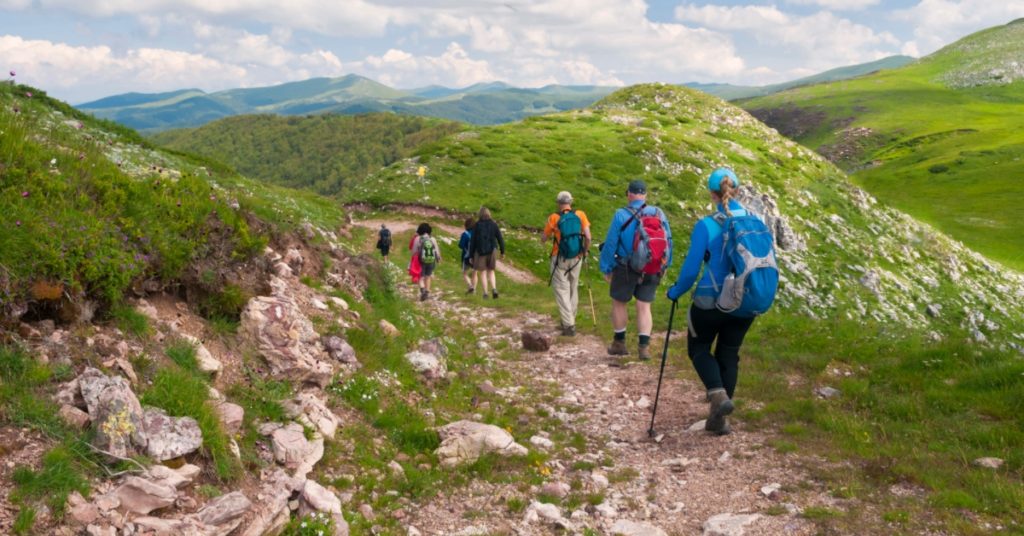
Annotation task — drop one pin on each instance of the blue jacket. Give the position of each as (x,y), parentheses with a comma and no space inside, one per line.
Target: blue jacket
(464,243)
(619,245)
(706,239)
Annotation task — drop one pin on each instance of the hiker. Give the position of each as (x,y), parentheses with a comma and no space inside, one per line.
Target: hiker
(486,240)
(634,255)
(425,249)
(468,274)
(384,241)
(570,230)
(719,370)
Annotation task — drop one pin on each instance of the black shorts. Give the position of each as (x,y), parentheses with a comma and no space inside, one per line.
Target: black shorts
(467,264)
(627,284)
(427,270)
(384,250)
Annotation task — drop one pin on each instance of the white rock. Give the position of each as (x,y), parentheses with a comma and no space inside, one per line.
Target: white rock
(771,490)
(624,527)
(170,437)
(339,302)
(643,403)
(309,408)
(599,479)
(225,513)
(605,509)
(388,328)
(989,463)
(204,359)
(142,496)
(317,304)
(231,416)
(542,511)
(541,442)
(465,441)
(320,499)
(729,524)
(431,366)
(697,426)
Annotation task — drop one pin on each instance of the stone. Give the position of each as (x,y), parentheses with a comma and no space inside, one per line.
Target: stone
(396,469)
(697,426)
(605,509)
(169,437)
(366,511)
(599,479)
(147,310)
(311,410)
(542,511)
(320,499)
(434,346)
(729,524)
(101,530)
(465,441)
(204,359)
(989,463)
(231,416)
(163,527)
(107,502)
(318,305)
(933,310)
(388,329)
(556,489)
(625,527)
(340,350)
(272,512)
(294,451)
(536,341)
(175,478)
(643,403)
(541,442)
(74,416)
(80,511)
(429,365)
(141,496)
(294,259)
(827,392)
(286,339)
(339,302)
(225,513)
(771,491)
(70,394)
(114,411)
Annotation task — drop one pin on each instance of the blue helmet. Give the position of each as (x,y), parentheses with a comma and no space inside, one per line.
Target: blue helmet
(715,179)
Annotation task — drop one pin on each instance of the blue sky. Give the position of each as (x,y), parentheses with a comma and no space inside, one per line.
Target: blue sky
(80,50)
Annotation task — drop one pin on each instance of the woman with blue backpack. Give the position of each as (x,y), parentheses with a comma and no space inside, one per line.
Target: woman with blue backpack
(730,294)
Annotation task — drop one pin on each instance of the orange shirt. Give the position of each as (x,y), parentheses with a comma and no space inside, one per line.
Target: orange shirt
(551,228)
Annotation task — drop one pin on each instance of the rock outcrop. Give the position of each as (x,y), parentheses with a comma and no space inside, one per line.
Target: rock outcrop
(465,441)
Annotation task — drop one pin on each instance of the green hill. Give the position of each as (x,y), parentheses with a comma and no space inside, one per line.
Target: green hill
(92,210)
(486,104)
(732,92)
(320,153)
(941,138)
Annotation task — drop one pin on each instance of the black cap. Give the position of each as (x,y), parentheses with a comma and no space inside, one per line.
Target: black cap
(637,186)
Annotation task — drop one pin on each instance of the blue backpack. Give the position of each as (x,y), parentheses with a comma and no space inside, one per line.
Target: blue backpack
(570,232)
(753,275)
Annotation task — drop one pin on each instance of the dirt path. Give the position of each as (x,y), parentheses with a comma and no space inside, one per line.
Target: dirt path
(397,226)
(675,484)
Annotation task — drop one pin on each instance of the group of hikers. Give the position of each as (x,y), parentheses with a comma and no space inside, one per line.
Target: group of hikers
(730,259)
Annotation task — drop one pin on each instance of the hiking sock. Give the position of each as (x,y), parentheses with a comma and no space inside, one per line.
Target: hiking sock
(645,340)
(620,335)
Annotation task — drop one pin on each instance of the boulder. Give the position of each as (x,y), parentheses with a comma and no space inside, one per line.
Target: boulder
(294,451)
(429,365)
(272,512)
(624,527)
(465,441)
(141,496)
(556,489)
(340,350)
(231,416)
(311,410)
(114,410)
(536,341)
(169,437)
(80,511)
(176,478)
(286,339)
(225,513)
(319,499)
(729,524)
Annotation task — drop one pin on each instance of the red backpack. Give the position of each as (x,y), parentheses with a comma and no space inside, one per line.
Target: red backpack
(649,242)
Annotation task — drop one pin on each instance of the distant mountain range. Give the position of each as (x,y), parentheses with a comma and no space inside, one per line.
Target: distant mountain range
(731,92)
(480,104)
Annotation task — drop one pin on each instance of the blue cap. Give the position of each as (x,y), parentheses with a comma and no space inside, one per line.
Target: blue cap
(637,186)
(715,179)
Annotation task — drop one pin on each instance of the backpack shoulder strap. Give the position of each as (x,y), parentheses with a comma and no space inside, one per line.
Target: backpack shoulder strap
(633,215)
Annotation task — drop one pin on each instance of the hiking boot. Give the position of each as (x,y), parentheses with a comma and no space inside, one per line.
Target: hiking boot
(486,296)
(494,294)
(720,407)
(643,352)
(618,348)
(569,331)
(470,290)
(423,294)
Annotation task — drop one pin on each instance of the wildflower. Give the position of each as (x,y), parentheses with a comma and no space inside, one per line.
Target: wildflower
(53,161)
(24,194)
(28,94)
(18,223)
(303,525)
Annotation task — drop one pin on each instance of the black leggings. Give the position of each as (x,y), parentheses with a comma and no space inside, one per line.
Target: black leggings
(721,368)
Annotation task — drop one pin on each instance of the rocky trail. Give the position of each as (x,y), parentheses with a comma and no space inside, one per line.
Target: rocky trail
(684,482)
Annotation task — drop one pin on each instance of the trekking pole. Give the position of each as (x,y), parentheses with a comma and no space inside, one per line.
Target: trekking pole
(664,354)
(590,291)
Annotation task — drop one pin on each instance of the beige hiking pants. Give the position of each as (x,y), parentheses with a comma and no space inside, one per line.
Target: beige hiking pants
(565,281)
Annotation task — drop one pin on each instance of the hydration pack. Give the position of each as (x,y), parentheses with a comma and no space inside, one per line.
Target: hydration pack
(650,244)
(752,279)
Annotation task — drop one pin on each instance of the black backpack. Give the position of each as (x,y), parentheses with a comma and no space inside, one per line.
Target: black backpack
(385,238)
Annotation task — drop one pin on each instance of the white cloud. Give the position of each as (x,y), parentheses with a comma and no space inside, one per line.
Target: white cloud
(402,69)
(94,71)
(939,22)
(838,5)
(821,40)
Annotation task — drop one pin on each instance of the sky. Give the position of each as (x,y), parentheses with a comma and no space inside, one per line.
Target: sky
(80,50)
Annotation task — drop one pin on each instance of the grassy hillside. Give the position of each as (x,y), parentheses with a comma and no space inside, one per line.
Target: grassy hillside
(352,94)
(92,209)
(942,138)
(319,153)
(731,92)
(922,394)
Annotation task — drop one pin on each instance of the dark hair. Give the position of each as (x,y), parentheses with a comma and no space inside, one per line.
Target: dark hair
(470,222)
(424,228)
